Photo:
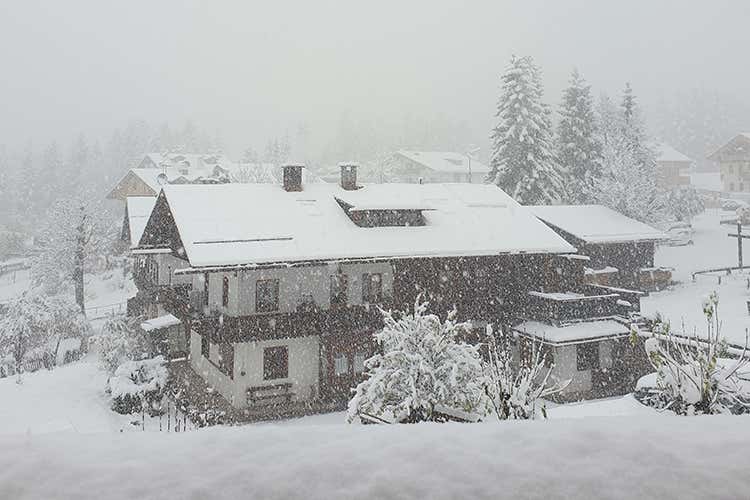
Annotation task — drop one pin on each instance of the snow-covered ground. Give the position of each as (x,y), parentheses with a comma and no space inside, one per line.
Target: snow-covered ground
(613,457)
(681,304)
(68,398)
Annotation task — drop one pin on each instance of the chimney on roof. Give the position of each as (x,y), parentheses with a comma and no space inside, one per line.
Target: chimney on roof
(292,176)
(349,175)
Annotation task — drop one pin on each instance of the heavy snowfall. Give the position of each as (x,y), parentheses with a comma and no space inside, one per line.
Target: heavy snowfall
(392,250)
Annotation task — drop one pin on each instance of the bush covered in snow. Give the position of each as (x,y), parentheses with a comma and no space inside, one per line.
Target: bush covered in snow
(138,385)
(515,392)
(121,340)
(422,365)
(36,323)
(694,376)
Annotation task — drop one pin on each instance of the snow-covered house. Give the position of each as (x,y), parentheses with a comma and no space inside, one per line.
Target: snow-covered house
(620,249)
(137,211)
(733,159)
(437,166)
(278,286)
(673,167)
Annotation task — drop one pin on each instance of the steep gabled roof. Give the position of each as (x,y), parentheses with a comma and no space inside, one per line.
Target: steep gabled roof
(596,223)
(445,161)
(138,210)
(739,145)
(247,224)
(666,153)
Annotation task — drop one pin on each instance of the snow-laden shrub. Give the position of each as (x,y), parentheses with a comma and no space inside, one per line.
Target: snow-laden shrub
(694,376)
(422,365)
(120,340)
(36,323)
(515,392)
(138,385)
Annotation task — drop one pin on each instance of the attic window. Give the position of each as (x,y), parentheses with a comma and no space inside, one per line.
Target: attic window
(383,217)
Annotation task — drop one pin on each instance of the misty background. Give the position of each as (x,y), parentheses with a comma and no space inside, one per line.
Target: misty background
(346,80)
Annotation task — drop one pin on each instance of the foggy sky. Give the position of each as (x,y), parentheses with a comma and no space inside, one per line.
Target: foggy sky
(248,70)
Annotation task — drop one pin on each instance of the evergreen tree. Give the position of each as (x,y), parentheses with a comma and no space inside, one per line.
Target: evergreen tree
(628,103)
(523,163)
(578,147)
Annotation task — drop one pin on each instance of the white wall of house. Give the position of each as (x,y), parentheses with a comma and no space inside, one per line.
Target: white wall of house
(294,284)
(566,366)
(304,366)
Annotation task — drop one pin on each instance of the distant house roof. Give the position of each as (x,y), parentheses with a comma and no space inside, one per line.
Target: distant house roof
(739,145)
(159,323)
(576,332)
(666,153)
(596,223)
(138,209)
(445,161)
(261,224)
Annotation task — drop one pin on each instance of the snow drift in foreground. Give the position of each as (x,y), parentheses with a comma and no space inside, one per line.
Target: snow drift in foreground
(610,457)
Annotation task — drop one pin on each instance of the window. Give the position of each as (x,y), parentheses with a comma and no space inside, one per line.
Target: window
(339,286)
(205,289)
(275,363)
(731,186)
(205,346)
(372,288)
(341,364)
(226,359)
(358,364)
(225,291)
(587,356)
(267,295)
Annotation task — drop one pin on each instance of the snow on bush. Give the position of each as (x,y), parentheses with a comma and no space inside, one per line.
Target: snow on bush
(121,340)
(422,365)
(693,375)
(36,323)
(138,384)
(515,392)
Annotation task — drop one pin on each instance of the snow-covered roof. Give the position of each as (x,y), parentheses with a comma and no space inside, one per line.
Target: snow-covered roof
(666,153)
(576,332)
(445,161)
(247,224)
(596,223)
(139,209)
(161,322)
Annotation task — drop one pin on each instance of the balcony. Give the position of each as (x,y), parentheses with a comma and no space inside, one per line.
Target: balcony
(568,306)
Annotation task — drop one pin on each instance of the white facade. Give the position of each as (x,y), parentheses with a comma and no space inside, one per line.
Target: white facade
(303,368)
(296,285)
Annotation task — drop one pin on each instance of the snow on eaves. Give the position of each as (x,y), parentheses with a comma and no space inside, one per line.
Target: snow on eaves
(445,161)
(139,210)
(160,322)
(666,153)
(596,223)
(257,224)
(576,332)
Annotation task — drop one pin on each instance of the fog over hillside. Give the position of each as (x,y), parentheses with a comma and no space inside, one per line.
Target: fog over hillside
(246,72)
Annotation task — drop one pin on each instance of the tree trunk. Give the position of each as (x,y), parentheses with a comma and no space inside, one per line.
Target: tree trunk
(78,266)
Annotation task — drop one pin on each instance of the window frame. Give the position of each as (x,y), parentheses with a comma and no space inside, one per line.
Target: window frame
(226,366)
(367,293)
(225,291)
(339,287)
(586,361)
(272,366)
(266,309)
(206,288)
(344,359)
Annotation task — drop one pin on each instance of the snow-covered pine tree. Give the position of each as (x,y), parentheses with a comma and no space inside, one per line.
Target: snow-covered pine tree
(628,182)
(578,146)
(523,162)
(423,365)
(628,103)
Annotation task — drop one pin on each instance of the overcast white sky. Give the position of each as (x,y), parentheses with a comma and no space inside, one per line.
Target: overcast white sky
(246,70)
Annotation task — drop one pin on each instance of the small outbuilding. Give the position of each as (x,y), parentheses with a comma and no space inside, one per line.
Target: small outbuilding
(620,249)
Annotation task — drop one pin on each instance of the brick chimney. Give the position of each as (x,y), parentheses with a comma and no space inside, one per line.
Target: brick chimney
(292,176)
(349,176)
